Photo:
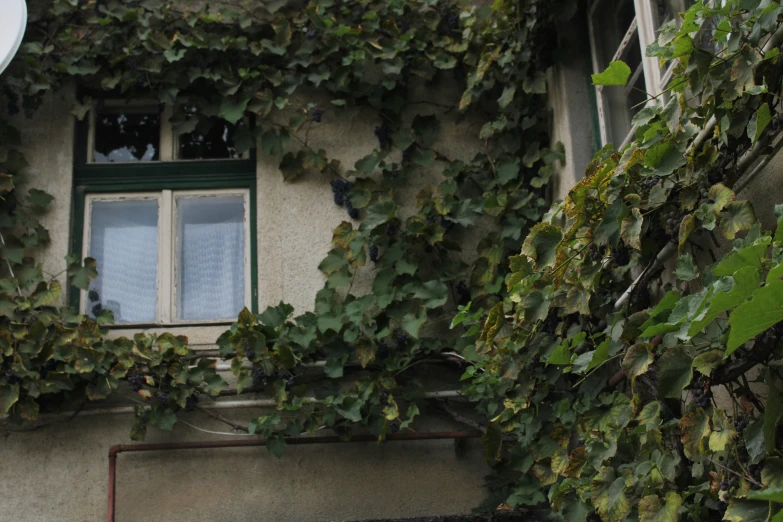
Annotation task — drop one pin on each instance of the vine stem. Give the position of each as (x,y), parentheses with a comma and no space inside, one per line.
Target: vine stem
(740,475)
(11,270)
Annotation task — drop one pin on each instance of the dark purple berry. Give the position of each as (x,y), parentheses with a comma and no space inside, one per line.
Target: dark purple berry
(374,253)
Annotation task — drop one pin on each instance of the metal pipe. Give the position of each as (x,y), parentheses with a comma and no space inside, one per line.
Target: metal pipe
(297,441)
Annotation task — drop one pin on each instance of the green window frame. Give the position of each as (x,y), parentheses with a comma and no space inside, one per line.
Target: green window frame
(104,178)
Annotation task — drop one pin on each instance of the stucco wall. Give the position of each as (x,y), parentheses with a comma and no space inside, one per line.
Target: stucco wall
(59,471)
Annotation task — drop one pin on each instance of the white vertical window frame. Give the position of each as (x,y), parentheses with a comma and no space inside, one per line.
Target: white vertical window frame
(647,35)
(168,248)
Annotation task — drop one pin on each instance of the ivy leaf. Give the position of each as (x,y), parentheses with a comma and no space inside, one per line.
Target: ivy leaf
(752,317)
(754,440)
(378,214)
(616,74)
(434,293)
(608,494)
(650,416)
(694,427)
(8,397)
(721,196)
(508,170)
(492,441)
(412,322)
(232,109)
(535,84)
(747,511)
(687,225)
(507,96)
(769,494)
(741,217)
(652,510)
(722,431)
(541,244)
(276,444)
(631,229)
(174,56)
(427,129)
(758,122)
(705,362)
(81,275)
(674,372)
(637,360)
(772,412)
(686,269)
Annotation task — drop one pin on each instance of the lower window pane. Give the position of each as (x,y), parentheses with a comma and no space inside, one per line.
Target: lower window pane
(124,241)
(211,257)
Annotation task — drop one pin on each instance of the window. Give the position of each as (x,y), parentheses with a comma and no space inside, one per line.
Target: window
(622,30)
(169,217)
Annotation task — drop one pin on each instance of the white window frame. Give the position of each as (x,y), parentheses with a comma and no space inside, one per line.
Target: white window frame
(168,248)
(655,79)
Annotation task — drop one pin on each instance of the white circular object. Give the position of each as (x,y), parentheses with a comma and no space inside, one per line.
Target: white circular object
(12,25)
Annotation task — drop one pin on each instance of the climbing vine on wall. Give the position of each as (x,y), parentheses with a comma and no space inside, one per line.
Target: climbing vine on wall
(601,397)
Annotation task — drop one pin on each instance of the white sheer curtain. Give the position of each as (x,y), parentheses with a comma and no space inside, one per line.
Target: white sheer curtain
(124,241)
(211,257)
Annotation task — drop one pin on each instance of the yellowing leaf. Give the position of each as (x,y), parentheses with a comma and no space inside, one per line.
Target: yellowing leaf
(652,510)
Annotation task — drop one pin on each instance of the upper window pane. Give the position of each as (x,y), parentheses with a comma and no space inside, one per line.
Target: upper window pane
(124,241)
(216,141)
(125,134)
(611,21)
(210,257)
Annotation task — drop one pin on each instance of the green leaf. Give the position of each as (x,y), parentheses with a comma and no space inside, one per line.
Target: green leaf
(637,360)
(754,440)
(748,256)
(751,318)
(741,217)
(631,229)
(39,199)
(378,214)
(350,408)
(608,495)
(686,269)
(276,444)
(233,109)
(507,96)
(747,511)
(508,170)
(674,372)
(694,428)
(772,412)
(412,322)
(434,293)
(705,362)
(81,275)
(616,74)
(758,122)
(769,494)
(541,244)
(652,510)
(722,431)
(427,129)
(8,397)
(492,441)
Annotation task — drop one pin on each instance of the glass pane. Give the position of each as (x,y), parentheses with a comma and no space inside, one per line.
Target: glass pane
(127,134)
(124,241)
(211,257)
(611,20)
(214,142)
(622,103)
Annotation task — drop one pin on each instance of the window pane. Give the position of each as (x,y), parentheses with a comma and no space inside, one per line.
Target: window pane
(127,134)
(611,20)
(211,257)
(124,241)
(213,142)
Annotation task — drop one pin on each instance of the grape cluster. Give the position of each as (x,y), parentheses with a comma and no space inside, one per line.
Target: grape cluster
(341,193)
(13,100)
(316,114)
(463,292)
(288,382)
(621,256)
(249,352)
(755,472)
(374,253)
(741,423)
(382,351)
(135,381)
(312,33)
(648,183)
(431,219)
(383,398)
(394,426)
(704,189)
(453,20)
(191,402)
(672,220)
(447,224)
(259,378)
(384,136)
(702,398)
(402,340)
(163,398)
(594,254)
